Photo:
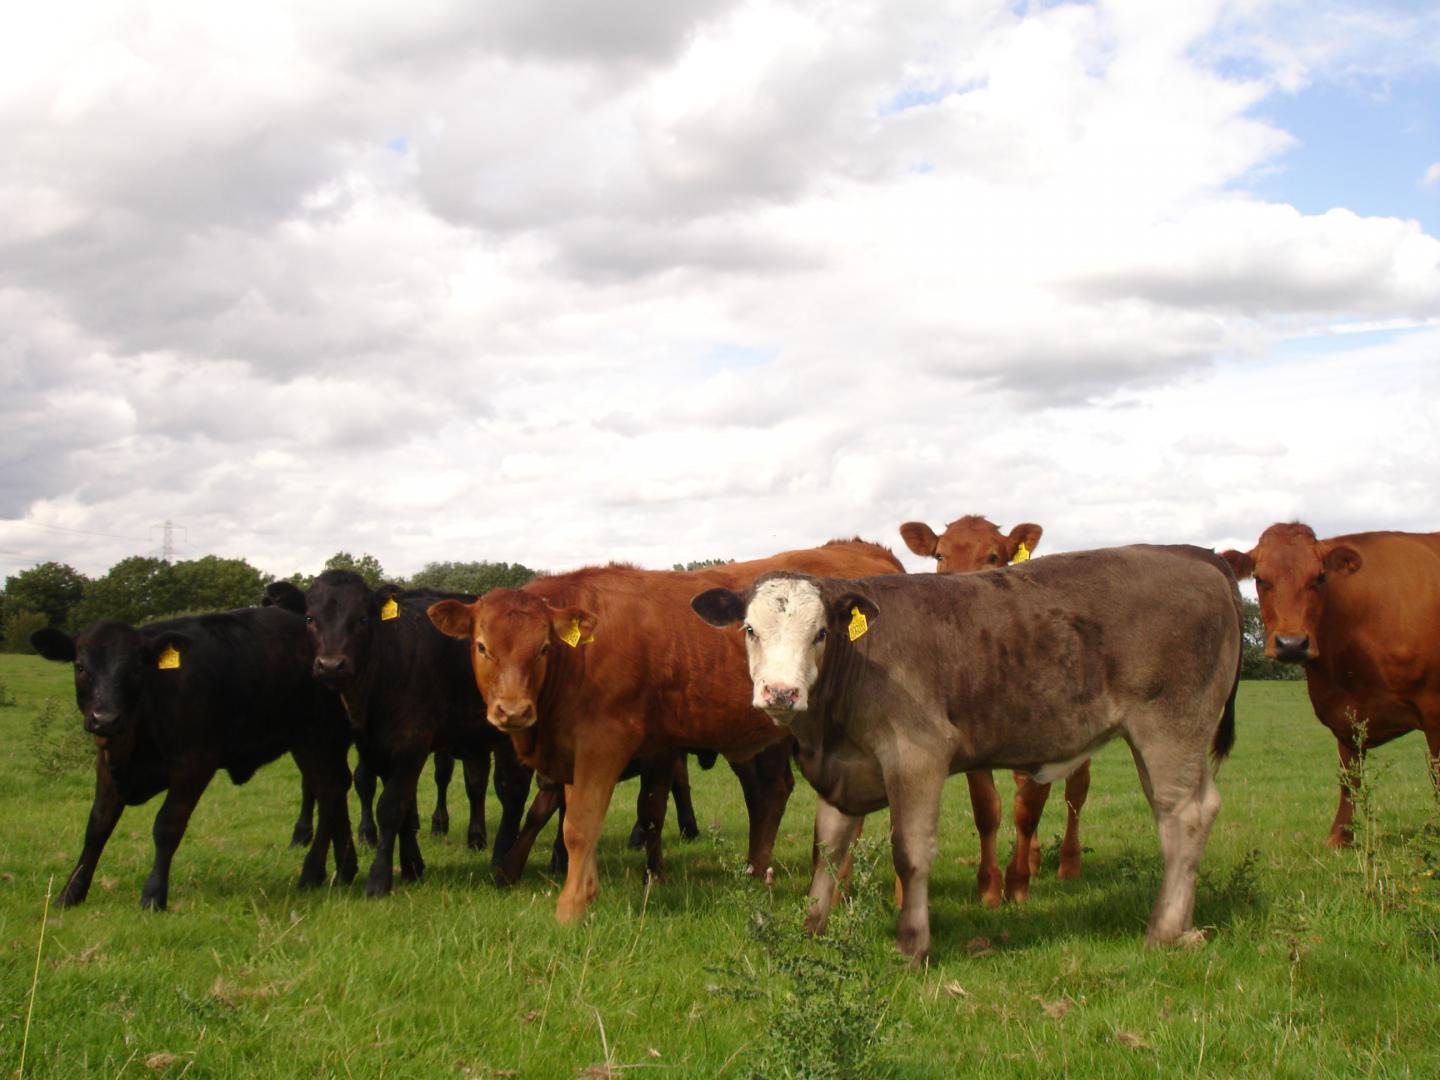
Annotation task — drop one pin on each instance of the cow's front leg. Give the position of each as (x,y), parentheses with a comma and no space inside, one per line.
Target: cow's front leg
(304,830)
(393,812)
(599,761)
(170,822)
(914,822)
(1341,835)
(835,831)
(985,803)
(327,773)
(365,794)
(512,788)
(105,812)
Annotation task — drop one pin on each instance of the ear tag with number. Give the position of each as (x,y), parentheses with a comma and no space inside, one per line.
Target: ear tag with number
(1021,553)
(858,623)
(571,637)
(169,659)
(390,609)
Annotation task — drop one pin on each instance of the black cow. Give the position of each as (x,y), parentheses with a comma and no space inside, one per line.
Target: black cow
(173,702)
(408,691)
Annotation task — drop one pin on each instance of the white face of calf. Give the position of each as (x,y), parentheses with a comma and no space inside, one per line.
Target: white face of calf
(785,631)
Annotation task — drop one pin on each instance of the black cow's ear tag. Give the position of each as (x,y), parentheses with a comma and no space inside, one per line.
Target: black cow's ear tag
(390,609)
(858,624)
(169,659)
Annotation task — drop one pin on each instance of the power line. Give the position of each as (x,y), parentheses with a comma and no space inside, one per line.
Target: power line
(78,532)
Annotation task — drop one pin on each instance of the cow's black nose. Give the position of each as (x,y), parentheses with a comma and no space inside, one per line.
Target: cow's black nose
(1292,647)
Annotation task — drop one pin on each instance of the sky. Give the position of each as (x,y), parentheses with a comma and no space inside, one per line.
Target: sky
(556,282)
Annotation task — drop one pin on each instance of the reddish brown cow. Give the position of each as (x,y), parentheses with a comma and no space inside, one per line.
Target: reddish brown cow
(1362,613)
(589,670)
(969,544)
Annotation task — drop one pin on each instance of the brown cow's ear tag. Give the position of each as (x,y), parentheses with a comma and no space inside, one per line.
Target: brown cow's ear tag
(1021,554)
(858,623)
(574,637)
(390,609)
(169,659)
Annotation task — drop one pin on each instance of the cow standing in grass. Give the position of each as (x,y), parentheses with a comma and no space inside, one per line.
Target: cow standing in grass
(591,670)
(1362,614)
(408,692)
(969,544)
(171,703)
(891,684)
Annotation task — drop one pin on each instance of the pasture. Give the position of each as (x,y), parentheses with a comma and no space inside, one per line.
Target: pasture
(1318,963)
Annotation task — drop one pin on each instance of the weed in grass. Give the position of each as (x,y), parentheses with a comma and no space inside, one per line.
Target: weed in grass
(57,742)
(825,998)
(7,696)
(1359,782)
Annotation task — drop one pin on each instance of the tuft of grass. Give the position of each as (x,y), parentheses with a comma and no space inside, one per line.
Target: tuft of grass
(57,742)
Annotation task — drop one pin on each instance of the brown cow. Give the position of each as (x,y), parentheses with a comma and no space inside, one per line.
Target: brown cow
(589,670)
(970,544)
(1362,613)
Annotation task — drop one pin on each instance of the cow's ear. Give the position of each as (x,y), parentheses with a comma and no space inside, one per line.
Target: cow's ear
(284,594)
(853,612)
(719,607)
(1241,562)
(453,618)
(54,644)
(572,625)
(1023,541)
(919,538)
(165,650)
(1342,560)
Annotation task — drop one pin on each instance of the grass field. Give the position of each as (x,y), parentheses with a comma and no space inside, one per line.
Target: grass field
(1319,963)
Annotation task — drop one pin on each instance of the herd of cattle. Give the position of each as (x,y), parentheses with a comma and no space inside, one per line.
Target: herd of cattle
(878,684)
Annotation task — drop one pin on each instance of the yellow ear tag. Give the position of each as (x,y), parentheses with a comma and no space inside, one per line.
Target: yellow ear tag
(390,609)
(571,637)
(169,659)
(1021,554)
(858,623)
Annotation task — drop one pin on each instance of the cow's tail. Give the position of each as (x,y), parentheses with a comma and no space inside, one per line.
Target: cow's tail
(1224,740)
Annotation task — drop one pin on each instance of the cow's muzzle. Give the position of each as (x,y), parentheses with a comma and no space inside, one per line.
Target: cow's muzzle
(1293,648)
(513,715)
(334,671)
(779,701)
(102,722)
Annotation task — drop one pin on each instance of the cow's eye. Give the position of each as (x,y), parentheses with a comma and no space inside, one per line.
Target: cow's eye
(749,631)
(822,635)
(1261,583)
(992,558)
(480,648)
(544,648)
(1319,580)
(939,558)
(309,620)
(80,668)
(363,619)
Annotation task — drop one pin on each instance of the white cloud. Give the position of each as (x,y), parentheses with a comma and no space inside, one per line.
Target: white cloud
(440,281)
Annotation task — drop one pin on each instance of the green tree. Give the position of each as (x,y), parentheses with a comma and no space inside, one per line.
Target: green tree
(134,590)
(215,584)
(52,588)
(471,577)
(19,625)
(700,564)
(367,566)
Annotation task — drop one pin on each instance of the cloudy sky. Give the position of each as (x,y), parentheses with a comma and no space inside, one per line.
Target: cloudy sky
(554,281)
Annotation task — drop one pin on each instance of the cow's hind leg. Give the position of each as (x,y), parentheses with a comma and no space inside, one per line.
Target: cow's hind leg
(365,794)
(395,816)
(512,788)
(1030,798)
(985,803)
(444,773)
(509,866)
(304,830)
(476,773)
(1185,800)
(684,803)
(835,831)
(1077,790)
(656,776)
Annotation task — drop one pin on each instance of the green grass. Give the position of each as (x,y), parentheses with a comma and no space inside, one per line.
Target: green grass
(1304,974)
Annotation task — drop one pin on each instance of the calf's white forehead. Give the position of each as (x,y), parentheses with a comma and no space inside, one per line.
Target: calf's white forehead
(784,607)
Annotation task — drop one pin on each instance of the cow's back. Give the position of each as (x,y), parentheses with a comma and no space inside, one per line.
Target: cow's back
(1051,653)
(653,660)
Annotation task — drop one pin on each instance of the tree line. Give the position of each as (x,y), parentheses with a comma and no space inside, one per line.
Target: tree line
(141,589)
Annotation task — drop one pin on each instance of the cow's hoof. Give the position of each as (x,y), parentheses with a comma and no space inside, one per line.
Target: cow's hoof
(302,836)
(476,841)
